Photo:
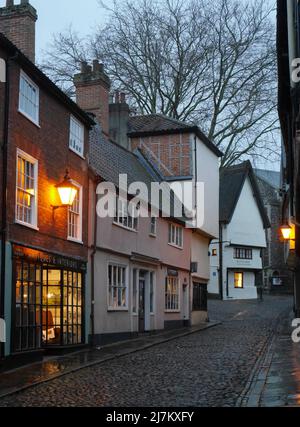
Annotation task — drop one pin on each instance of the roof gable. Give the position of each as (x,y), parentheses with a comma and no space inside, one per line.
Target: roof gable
(232,181)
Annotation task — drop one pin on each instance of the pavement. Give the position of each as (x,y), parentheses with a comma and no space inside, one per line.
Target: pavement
(212,367)
(54,367)
(275,379)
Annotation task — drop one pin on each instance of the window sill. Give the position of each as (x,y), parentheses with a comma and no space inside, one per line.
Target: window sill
(172,311)
(24,224)
(29,118)
(124,227)
(75,152)
(71,239)
(175,246)
(153,235)
(117,310)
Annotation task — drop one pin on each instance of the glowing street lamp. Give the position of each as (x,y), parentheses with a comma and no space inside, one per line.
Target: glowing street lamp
(67,192)
(286,231)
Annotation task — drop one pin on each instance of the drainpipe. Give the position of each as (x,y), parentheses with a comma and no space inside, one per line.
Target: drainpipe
(93,272)
(221,261)
(4,193)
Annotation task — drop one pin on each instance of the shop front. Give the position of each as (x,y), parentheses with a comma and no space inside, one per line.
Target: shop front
(47,302)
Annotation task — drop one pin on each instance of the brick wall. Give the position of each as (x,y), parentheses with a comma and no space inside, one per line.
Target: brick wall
(48,143)
(171,153)
(92,92)
(17,22)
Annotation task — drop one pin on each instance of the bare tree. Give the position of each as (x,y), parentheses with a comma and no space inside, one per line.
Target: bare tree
(210,63)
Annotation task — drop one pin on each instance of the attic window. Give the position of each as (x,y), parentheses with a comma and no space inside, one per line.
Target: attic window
(76,142)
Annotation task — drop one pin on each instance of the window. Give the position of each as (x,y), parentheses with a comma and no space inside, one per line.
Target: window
(117,287)
(26,189)
(214,252)
(199,297)
(29,98)
(153,226)
(172,294)
(48,306)
(238,280)
(122,216)
(76,142)
(75,217)
(175,235)
(242,253)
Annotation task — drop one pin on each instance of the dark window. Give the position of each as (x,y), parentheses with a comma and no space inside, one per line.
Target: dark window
(199,297)
(242,253)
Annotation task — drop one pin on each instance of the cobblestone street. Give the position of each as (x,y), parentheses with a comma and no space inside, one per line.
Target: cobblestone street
(207,368)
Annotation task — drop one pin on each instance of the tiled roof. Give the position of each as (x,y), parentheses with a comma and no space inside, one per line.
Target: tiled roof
(155,122)
(232,180)
(108,160)
(158,124)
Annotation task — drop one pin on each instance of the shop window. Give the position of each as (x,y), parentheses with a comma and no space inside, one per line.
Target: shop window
(172,294)
(117,287)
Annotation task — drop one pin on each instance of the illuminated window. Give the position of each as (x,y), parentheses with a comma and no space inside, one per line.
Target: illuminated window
(75,217)
(76,142)
(117,287)
(26,189)
(29,98)
(238,280)
(172,294)
(214,252)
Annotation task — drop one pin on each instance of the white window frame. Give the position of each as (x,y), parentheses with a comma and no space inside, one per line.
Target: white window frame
(171,241)
(70,238)
(153,233)
(123,266)
(122,208)
(81,126)
(36,120)
(28,158)
(173,310)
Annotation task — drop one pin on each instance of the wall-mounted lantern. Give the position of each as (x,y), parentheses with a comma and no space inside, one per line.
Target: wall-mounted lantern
(67,192)
(286,231)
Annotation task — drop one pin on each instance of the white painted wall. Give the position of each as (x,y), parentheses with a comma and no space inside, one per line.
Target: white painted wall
(245,230)
(208,173)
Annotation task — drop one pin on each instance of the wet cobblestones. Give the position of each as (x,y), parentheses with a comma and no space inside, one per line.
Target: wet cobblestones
(208,368)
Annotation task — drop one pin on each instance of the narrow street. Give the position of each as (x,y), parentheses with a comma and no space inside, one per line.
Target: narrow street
(207,368)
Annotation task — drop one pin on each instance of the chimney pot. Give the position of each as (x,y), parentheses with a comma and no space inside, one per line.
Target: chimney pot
(9,3)
(96,65)
(83,67)
(123,98)
(117,97)
(24,1)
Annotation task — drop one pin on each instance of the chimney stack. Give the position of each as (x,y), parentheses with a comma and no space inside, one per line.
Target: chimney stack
(17,23)
(92,92)
(118,119)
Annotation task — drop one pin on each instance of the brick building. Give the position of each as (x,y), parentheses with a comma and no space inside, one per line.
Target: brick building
(44,245)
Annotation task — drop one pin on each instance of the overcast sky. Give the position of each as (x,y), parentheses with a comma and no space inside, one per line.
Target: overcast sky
(56,15)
